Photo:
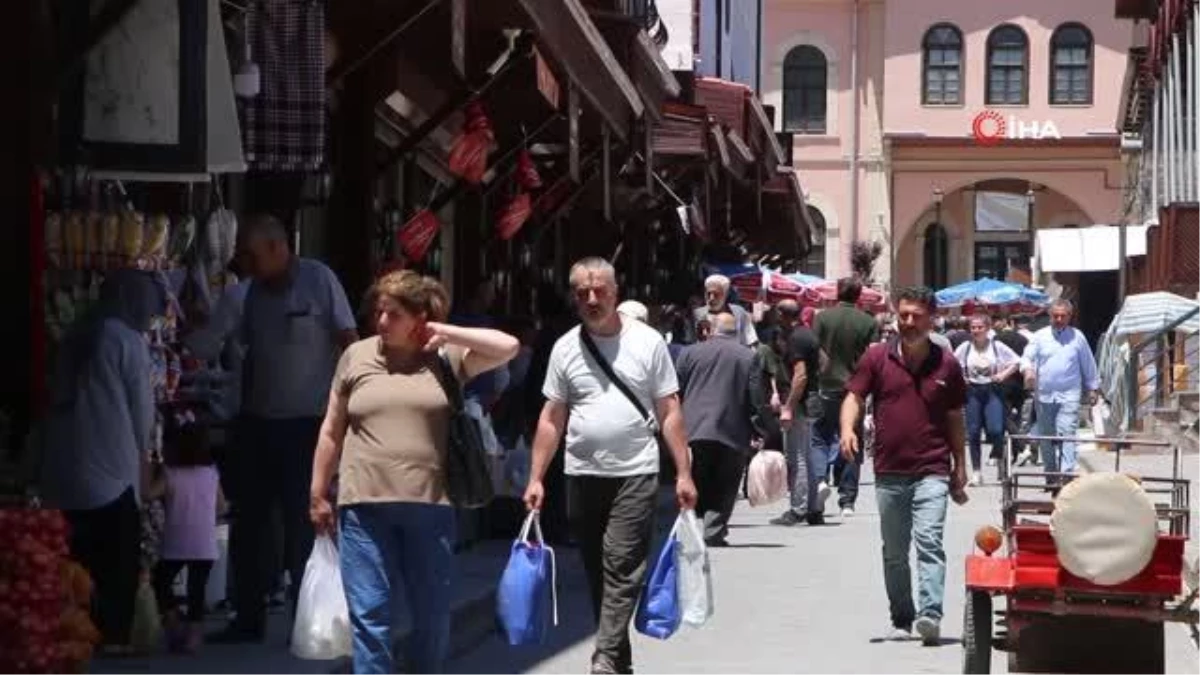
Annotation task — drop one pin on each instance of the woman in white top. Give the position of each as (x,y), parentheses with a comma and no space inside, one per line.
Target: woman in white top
(985,363)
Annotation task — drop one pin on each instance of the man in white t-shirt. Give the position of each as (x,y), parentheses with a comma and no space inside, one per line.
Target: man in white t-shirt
(612,459)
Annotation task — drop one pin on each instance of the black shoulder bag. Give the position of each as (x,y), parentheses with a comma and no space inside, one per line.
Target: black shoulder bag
(468,480)
(666,466)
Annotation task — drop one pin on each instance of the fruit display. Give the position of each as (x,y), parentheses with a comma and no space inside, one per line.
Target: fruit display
(44,596)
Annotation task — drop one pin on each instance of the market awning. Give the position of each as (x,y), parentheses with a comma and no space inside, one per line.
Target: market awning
(1151,312)
(1086,249)
(651,75)
(565,26)
(762,134)
(724,100)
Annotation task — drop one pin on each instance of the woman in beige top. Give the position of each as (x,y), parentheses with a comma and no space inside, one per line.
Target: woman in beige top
(388,423)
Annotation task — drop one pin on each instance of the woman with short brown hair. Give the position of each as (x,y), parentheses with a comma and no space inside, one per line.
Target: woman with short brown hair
(388,422)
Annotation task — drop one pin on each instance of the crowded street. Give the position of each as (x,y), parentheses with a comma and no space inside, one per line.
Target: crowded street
(604,336)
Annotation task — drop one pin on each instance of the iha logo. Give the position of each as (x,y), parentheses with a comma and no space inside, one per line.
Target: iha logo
(990,127)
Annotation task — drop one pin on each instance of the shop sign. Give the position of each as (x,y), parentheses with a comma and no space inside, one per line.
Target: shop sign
(990,127)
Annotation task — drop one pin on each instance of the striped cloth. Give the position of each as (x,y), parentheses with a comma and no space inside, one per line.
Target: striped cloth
(284,126)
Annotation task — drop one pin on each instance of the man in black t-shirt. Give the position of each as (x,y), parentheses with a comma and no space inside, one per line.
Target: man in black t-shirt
(1018,415)
(803,366)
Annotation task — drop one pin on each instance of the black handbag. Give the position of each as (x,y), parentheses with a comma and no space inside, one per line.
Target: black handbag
(468,479)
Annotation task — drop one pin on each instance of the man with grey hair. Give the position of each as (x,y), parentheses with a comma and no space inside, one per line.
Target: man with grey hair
(294,323)
(1059,366)
(716,299)
(609,386)
(718,380)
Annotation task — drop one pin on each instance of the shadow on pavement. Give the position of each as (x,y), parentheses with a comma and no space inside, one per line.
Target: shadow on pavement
(756,545)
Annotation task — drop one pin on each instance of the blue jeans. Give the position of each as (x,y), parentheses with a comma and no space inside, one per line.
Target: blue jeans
(985,412)
(912,509)
(1058,419)
(825,454)
(382,546)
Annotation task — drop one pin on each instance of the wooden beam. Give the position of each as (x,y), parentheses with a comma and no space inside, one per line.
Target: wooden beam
(338,74)
(451,106)
(458,36)
(349,243)
(573,129)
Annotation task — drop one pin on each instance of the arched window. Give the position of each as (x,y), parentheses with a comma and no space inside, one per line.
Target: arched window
(814,262)
(937,256)
(1071,65)
(1007,66)
(941,52)
(805,78)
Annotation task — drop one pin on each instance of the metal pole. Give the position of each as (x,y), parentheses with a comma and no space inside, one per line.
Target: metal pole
(1122,267)
(1181,171)
(1194,64)
(1169,122)
(606,162)
(1154,150)
(1189,115)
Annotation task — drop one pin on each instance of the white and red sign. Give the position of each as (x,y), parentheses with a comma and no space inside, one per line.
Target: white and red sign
(990,127)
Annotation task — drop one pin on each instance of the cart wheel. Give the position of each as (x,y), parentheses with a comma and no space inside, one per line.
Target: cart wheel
(977,633)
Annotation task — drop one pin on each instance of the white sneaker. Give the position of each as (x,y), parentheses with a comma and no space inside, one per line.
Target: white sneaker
(929,628)
(1024,458)
(823,493)
(847,511)
(895,634)
(976,479)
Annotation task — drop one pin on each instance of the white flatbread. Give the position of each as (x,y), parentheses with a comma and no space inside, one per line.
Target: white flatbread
(1105,528)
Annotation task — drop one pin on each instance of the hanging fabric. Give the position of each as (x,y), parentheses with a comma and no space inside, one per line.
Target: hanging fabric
(416,236)
(468,157)
(284,125)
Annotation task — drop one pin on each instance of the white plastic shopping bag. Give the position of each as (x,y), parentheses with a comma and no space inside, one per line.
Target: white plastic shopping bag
(766,479)
(695,574)
(322,628)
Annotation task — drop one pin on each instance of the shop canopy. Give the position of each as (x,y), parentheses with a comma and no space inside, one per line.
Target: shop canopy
(1086,249)
(1142,316)
(990,294)
(871,300)
(1150,312)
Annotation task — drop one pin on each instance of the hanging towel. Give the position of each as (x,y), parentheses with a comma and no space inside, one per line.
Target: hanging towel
(284,126)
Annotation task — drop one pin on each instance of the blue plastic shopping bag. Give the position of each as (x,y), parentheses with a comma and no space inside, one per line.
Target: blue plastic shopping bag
(527,600)
(659,613)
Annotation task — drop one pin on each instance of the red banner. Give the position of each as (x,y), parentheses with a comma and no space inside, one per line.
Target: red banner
(417,234)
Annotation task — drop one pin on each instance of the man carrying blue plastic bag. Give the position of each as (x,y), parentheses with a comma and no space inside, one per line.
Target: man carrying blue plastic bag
(610,385)
(527,598)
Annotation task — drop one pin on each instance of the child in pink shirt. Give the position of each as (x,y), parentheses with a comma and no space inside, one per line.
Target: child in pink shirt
(193,500)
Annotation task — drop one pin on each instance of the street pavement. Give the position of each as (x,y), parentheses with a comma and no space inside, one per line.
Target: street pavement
(796,600)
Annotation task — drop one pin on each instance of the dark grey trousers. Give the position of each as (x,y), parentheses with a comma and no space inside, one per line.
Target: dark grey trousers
(613,520)
(717,470)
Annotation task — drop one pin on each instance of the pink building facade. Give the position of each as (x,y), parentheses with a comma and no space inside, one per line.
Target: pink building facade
(949,131)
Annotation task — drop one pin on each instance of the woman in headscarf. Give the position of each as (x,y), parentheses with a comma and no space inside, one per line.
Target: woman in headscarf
(98,434)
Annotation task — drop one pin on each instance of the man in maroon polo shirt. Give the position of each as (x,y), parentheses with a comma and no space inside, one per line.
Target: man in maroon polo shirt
(919,393)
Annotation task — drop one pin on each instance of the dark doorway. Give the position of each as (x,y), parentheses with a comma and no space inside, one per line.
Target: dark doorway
(1097,303)
(937,254)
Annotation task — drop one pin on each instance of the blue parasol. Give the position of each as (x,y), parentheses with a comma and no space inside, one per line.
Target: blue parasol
(992,294)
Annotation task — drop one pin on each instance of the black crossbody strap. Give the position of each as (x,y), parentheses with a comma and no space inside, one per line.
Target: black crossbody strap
(443,371)
(611,375)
